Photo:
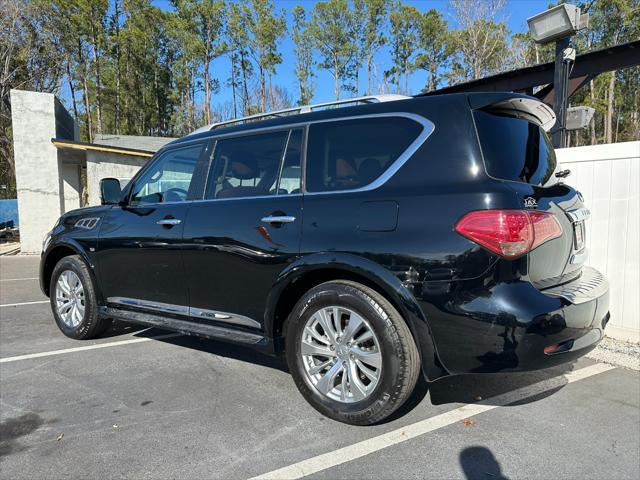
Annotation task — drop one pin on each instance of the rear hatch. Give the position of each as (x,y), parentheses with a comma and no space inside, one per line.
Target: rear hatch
(517,149)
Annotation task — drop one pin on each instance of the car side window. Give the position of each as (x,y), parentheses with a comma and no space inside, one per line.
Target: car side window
(246,166)
(291,171)
(168,179)
(349,154)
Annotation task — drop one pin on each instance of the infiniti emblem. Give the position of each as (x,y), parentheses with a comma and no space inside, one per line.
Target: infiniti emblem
(343,350)
(530,202)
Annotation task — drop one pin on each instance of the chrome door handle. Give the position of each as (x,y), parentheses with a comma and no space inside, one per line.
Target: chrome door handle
(278,219)
(171,222)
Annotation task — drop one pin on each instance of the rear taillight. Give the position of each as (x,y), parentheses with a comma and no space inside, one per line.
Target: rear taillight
(509,233)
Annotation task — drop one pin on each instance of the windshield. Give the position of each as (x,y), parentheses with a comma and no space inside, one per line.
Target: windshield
(515,148)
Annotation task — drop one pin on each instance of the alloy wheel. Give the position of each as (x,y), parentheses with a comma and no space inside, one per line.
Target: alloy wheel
(341,354)
(70,302)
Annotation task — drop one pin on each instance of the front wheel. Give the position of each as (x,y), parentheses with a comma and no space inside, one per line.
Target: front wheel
(350,352)
(73,300)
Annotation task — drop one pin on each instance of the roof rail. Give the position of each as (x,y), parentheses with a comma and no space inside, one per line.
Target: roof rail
(302,109)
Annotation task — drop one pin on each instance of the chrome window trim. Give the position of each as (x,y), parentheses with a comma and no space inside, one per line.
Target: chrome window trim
(291,195)
(225,317)
(428,128)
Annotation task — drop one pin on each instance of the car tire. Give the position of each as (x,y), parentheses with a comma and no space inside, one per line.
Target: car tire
(388,339)
(74,301)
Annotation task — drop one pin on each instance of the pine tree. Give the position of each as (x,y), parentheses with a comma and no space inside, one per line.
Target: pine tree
(301,35)
(265,29)
(333,32)
(404,35)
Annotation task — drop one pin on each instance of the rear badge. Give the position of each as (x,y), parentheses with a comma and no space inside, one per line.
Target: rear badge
(530,202)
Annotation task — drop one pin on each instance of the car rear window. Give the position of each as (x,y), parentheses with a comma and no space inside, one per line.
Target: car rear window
(515,148)
(350,154)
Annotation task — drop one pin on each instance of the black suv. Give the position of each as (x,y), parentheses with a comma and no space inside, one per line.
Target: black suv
(367,243)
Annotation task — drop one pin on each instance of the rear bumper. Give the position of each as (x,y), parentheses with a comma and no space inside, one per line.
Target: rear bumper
(507,326)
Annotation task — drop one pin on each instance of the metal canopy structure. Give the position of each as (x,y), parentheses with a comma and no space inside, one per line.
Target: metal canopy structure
(84,146)
(524,80)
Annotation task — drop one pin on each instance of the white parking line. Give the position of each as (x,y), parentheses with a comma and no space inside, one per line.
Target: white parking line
(23,303)
(360,449)
(87,347)
(17,279)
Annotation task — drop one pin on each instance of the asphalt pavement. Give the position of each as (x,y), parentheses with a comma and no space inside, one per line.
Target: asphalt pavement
(144,403)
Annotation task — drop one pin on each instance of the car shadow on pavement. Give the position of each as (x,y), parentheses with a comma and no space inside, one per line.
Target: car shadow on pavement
(221,349)
(118,328)
(468,388)
(484,388)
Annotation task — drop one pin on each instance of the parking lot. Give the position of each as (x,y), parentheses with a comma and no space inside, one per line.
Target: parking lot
(145,403)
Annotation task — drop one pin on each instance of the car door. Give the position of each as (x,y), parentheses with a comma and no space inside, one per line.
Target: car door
(139,250)
(247,228)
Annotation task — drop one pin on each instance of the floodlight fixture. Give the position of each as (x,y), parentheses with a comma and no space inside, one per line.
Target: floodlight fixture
(556,23)
(579,118)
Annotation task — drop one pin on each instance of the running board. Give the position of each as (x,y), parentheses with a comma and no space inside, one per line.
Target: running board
(185,327)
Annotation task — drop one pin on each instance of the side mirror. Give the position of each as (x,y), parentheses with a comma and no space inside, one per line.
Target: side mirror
(110,191)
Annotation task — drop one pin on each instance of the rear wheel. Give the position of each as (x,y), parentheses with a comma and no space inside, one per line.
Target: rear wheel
(351,354)
(73,300)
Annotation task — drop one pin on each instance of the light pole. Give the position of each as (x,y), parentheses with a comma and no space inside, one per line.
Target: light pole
(560,24)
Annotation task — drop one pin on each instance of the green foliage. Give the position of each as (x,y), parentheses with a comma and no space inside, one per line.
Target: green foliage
(265,29)
(301,36)
(433,39)
(405,21)
(333,31)
(237,34)
(29,60)
(369,20)
(133,68)
(202,23)
(615,95)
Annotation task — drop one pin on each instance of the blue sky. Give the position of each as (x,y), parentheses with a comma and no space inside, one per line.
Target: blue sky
(516,12)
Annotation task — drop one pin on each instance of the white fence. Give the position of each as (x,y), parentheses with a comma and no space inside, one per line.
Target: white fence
(609,176)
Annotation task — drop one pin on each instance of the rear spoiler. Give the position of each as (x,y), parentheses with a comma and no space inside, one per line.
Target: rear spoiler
(520,105)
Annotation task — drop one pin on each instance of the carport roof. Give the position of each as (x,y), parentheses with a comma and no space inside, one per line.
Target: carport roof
(134,142)
(134,145)
(84,146)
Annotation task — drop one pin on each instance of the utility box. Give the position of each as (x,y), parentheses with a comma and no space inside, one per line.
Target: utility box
(579,118)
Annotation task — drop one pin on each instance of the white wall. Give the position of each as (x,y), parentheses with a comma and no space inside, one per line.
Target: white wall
(42,195)
(609,177)
(104,164)
(71,185)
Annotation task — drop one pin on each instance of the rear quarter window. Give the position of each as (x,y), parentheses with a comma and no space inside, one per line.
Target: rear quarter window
(515,148)
(350,154)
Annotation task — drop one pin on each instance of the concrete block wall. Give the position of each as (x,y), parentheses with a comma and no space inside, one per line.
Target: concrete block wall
(40,176)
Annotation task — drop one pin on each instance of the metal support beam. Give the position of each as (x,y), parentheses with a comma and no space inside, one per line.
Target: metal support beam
(560,81)
(593,63)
